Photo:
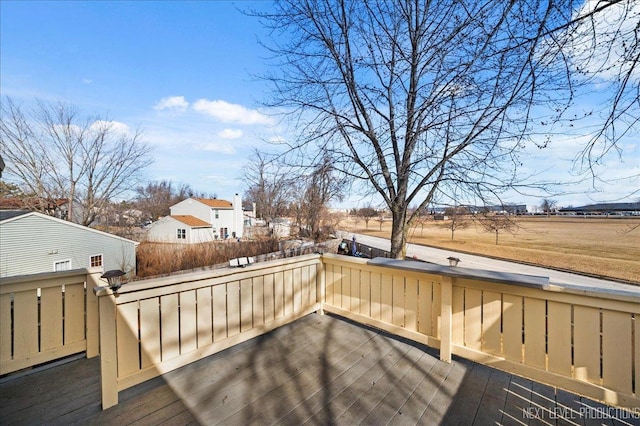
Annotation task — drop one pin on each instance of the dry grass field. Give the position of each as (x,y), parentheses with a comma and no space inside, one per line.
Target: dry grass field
(608,247)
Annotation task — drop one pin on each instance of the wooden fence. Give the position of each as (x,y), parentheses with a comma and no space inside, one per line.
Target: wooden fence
(44,317)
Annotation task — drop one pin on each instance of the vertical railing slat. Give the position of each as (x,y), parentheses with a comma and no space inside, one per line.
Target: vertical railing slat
(127,338)
(446,318)
(473,318)
(170,331)
(534,332)
(188,322)
(233,308)
(491,314)
(25,320)
(376,306)
(616,351)
(205,316)
(425,305)
(150,331)
(512,327)
(219,295)
(246,305)
(559,338)
(269,298)
(51,328)
(5,327)
(457,315)
(257,288)
(74,313)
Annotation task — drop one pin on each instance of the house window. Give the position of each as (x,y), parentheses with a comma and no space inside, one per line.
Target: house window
(217,213)
(224,233)
(62,265)
(96,260)
(182,234)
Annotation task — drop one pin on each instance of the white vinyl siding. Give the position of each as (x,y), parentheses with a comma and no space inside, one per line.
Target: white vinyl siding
(33,243)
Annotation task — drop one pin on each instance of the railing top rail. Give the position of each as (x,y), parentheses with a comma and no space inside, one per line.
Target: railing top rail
(510,278)
(44,279)
(201,275)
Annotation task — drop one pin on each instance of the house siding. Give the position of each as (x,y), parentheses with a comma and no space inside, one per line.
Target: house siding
(193,208)
(32,244)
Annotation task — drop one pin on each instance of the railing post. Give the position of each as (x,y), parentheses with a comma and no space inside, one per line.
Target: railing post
(108,349)
(321,285)
(446,331)
(92,321)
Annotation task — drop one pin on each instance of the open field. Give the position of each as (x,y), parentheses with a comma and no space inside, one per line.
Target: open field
(608,247)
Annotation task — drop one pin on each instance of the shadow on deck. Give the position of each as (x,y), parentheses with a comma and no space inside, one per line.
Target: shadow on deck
(318,370)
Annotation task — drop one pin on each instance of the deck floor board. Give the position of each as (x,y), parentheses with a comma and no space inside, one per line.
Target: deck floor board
(318,370)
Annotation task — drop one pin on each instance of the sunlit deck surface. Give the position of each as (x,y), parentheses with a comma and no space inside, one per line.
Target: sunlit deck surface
(319,370)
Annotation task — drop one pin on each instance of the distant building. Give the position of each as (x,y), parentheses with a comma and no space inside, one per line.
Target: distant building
(622,209)
(198,220)
(32,243)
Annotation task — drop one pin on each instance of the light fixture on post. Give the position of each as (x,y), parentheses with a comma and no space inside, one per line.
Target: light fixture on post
(114,278)
(453,261)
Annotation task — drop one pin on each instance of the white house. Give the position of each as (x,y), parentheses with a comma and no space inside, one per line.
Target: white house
(198,220)
(32,243)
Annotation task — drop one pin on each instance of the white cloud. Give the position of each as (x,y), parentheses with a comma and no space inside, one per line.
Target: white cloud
(230,134)
(174,103)
(220,148)
(230,113)
(87,81)
(113,126)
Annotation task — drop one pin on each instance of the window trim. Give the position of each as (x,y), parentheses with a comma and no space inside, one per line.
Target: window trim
(101,265)
(181,231)
(55,262)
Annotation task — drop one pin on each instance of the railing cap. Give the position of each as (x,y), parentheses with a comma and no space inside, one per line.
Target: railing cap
(531,281)
(458,272)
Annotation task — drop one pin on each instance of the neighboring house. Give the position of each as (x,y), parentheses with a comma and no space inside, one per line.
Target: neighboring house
(32,243)
(198,220)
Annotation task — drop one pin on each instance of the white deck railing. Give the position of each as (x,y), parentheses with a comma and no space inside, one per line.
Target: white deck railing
(584,341)
(157,325)
(44,317)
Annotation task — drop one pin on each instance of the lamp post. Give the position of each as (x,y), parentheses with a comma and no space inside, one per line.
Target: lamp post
(114,278)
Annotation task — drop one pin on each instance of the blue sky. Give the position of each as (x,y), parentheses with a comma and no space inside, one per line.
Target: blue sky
(182,72)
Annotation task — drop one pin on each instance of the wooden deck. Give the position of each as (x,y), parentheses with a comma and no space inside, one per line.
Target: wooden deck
(319,370)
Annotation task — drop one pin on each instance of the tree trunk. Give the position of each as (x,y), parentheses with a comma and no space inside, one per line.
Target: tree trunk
(398,234)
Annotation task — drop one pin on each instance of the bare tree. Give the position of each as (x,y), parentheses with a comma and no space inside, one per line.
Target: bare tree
(53,152)
(321,187)
(548,206)
(268,185)
(413,98)
(367,213)
(497,223)
(458,218)
(156,198)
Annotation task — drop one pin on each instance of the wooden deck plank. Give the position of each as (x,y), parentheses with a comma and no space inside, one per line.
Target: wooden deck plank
(466,401)
(493,399)
(383,400)
(410,410)
(309,387)
(517,407)
(355,402)
(436,411)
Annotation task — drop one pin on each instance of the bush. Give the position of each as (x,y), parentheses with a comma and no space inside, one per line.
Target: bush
(165,258)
